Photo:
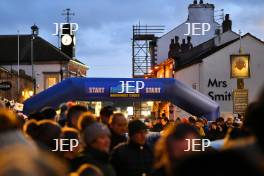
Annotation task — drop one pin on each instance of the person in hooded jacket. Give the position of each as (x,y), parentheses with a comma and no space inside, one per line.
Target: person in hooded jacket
(96,137)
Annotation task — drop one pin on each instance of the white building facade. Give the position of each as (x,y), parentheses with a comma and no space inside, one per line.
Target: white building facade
(212,75)
(203,27)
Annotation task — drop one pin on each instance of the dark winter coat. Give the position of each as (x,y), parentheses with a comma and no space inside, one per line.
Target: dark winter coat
(130,159)
(97,158)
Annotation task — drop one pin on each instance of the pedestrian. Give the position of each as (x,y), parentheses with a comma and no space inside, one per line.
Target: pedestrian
(20,160)
(199,124)
(96,137)
(157,127)
(36,116)
(48,113)
(172,148)
(211,161)
(63,112)
(48,131)
(221,126)
(192,120)
(10,131)
(71,145)
(85,119)
(118,127)
(214,132)
(30,128)
(74,114)
(106,113)
(135,157)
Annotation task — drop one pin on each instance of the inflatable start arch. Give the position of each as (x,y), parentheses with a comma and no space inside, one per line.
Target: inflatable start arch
(125,89)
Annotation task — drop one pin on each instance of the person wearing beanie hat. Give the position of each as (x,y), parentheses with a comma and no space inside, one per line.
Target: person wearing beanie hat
(94,131)
(96,137)
(135,156)
(135,126)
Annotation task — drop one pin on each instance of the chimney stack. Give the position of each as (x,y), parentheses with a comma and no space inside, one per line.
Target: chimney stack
(227,24)
(201,13)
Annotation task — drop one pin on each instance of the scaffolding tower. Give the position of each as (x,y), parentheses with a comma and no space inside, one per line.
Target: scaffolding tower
(144,44)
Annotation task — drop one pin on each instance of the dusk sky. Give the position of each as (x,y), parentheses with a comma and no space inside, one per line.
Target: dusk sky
(105,26)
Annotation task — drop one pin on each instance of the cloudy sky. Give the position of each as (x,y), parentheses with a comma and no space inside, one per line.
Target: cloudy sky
(105,26)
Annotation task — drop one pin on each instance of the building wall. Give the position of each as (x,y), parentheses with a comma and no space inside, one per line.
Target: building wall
(25,82)
(189,75)
(40,69)
(217,66)
(197,14)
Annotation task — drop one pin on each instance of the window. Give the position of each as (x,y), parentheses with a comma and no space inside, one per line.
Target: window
(50,79)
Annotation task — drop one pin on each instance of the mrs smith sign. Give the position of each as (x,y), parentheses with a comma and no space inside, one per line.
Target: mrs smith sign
(240,100)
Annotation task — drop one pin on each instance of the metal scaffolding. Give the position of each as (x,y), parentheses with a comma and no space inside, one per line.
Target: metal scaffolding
(144,44)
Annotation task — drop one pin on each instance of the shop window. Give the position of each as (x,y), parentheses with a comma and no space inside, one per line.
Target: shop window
(50,79)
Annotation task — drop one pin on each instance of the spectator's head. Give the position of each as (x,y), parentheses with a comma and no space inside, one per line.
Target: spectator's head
(178,119)
(220,121)
(192,120)
(205,121)
(88,170)
(63,108)
(86,119)
(8,120)
(229,121)
(163,115)
(37,116)
(213,126)
(137,132)
(19,160)
(212,160)
(172,145)
(8,105)
(74,114)
(237,123)
(21,119)
(105,114)
(185,121)
(72,141)
(47,132)
(165,121)
(48,113)
(97,136)
(176,139)
(30,128)
(199,123)
(254,119)
(118,123)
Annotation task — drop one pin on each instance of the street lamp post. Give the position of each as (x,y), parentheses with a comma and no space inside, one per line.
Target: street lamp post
(35,31)
(32,63)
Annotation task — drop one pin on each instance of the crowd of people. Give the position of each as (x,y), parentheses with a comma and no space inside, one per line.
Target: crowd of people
(74,142)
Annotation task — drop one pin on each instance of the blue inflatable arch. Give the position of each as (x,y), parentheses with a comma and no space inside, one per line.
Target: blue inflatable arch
(125,89)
